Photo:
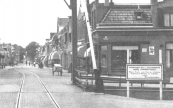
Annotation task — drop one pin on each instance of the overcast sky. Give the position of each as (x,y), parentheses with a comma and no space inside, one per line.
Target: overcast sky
(24,21)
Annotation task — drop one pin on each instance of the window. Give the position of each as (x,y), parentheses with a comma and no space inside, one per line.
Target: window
(169,55)
(166,19)
(160,0)
(171,19)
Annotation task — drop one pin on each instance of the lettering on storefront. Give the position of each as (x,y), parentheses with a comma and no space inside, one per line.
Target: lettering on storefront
(144,72)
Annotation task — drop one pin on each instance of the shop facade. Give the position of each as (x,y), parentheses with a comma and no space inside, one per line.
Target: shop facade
(132,34)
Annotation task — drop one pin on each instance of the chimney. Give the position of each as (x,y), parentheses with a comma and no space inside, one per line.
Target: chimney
(154,13)
(106,3)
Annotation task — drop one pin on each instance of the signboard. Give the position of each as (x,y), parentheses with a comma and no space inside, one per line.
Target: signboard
(144,72)
(151,50)
(144,49)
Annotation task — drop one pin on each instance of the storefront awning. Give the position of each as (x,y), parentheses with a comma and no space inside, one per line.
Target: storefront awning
(50,55)
(88,52)
(45,58)
(2,51)
(55,55)
(81,50)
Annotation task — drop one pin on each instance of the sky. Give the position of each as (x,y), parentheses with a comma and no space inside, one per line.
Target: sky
(24,21)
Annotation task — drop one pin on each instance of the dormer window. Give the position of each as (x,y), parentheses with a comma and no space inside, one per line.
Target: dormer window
(139,14)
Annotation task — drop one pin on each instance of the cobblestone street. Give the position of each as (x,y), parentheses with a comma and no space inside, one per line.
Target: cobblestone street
(65,94)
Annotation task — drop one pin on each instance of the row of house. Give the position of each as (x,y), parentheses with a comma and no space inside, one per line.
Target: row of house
(58,46)
(9,54)
(122,34)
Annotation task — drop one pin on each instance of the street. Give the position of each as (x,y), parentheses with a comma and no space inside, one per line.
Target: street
(30,87)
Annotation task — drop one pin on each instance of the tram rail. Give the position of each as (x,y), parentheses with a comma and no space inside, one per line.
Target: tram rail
(41,82)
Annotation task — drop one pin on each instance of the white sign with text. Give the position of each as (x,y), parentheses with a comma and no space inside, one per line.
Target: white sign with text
(144,72)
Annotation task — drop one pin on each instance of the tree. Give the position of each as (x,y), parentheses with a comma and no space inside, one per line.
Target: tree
(22,52)
(31,50)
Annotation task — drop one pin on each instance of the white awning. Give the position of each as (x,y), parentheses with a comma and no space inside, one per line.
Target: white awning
(56,55)
(87,52)
(50,55)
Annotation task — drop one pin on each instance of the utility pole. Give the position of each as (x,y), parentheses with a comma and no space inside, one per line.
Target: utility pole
(73,6)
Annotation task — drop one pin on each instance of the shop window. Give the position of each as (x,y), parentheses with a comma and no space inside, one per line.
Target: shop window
(119,59)
(169,55)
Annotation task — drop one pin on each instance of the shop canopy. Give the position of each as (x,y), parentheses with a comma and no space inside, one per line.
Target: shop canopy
(55,55)
(2,51)
(83,51)
(88,52)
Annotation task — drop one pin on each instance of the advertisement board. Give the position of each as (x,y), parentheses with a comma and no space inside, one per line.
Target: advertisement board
(144,72)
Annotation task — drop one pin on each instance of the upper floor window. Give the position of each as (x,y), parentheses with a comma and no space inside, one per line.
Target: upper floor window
(169,55)
(168,20)
(160,0)
(171,19)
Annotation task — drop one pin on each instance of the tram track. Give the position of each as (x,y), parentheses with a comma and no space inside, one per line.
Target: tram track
(41,82)
(20,90)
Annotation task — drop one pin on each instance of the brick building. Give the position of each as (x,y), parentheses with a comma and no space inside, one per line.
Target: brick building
(132,34)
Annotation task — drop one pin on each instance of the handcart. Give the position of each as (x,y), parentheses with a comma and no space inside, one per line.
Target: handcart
(57,68)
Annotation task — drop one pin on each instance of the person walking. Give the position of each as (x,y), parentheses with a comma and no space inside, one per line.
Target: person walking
(34,64)
(26,63)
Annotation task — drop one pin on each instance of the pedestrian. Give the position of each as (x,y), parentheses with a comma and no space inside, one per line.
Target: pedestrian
(26,63)
(34,64)
(29,63)
(70,68)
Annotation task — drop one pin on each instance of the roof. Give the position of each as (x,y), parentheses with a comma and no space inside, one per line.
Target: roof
(165,3)
(126,15)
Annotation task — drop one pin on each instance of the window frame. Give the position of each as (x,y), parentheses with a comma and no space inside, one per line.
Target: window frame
(168,52)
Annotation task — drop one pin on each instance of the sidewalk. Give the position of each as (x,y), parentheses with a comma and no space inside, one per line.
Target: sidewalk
(71,96)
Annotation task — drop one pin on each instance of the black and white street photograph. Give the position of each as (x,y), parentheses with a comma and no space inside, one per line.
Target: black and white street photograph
(86,53)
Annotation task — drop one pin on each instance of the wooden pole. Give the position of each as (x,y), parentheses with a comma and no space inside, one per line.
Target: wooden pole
(73,4)
(160,61)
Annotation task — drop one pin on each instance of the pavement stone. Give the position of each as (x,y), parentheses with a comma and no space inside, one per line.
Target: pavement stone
(71,96)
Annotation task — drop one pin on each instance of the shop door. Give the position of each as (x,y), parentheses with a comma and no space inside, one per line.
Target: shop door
(104,60)
(122,55)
